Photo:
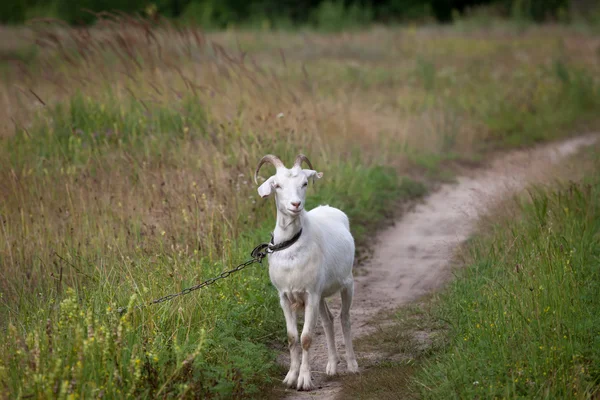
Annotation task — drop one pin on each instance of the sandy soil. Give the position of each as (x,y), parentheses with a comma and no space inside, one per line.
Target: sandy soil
(411,258)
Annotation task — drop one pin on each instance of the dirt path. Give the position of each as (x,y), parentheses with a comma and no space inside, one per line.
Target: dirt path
(411,258)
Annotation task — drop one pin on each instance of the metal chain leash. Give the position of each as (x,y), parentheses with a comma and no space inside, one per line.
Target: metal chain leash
(257,255)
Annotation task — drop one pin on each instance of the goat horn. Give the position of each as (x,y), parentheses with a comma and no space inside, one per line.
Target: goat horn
(300,158)
(269,158)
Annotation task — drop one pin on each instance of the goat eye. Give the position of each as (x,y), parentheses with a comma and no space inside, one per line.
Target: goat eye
(276,186)
(305,184)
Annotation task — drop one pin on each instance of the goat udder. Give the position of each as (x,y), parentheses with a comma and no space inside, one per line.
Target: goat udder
(298,304)
(296,300)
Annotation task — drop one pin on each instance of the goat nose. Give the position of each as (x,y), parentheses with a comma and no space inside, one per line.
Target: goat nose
(296,204)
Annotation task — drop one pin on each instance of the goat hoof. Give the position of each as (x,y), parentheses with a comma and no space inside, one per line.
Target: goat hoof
(291,378)
(331,368)
(305,382)
(353,367)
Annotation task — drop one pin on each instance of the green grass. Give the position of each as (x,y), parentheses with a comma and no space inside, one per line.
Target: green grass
(542,110)
(73,132)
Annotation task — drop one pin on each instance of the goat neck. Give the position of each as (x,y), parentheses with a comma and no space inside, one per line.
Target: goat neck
(287,226)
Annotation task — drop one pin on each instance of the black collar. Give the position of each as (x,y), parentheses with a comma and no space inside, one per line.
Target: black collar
(284,245)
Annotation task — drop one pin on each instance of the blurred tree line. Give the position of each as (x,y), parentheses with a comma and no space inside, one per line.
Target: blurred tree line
(280,13)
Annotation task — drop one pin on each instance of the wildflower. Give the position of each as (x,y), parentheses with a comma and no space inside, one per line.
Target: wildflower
(476,383)
(280,115)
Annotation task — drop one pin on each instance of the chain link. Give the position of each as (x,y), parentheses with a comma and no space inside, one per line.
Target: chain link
(257,254)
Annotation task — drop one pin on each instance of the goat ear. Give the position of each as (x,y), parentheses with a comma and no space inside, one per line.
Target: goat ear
(266,188)
(312,174)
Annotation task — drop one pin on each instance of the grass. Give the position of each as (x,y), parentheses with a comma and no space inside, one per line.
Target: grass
(520,318)
(128,150)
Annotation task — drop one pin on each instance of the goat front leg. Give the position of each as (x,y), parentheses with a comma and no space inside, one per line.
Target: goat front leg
(292,334)
(311,310)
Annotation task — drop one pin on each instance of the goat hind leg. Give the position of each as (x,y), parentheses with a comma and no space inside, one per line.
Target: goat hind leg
(327,322)
(347,294)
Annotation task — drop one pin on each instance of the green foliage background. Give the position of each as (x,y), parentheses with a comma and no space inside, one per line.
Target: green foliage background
(274,13)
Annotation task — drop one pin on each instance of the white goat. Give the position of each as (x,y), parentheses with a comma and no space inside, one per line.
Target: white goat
(311,259)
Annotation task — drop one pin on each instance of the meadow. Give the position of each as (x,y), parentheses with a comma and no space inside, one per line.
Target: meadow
(127,150)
